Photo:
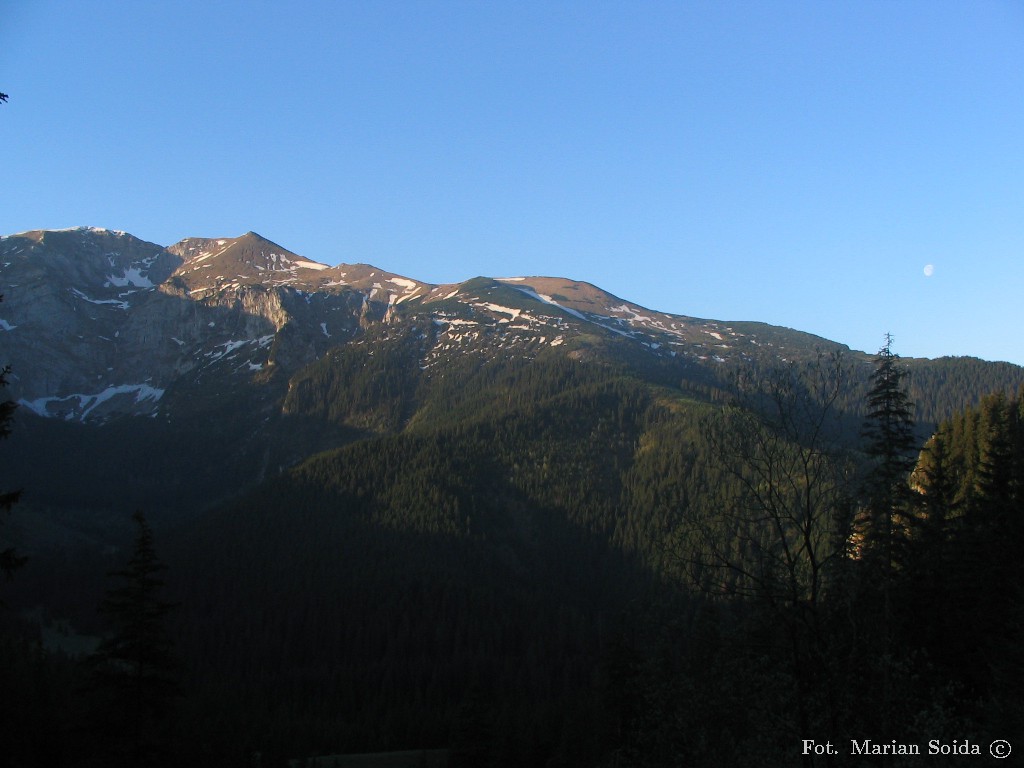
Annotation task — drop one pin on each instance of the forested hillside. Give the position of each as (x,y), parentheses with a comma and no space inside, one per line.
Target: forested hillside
(551,562)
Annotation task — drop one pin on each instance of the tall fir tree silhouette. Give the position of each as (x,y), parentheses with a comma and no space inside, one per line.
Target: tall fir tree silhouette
(884,525)
(891,448)
(133,671)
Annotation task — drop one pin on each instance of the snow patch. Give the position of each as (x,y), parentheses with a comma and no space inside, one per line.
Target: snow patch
(88,403)
(502,310)
(117,302)
(548,300)
(130,276)
(229,347)
(407,296)
(309,265)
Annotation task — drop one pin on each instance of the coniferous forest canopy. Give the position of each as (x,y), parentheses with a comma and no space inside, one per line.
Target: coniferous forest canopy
(556,560)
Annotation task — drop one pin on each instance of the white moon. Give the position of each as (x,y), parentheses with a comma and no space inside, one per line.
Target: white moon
(929,270)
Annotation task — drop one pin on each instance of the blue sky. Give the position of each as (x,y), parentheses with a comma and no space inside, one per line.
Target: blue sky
(796,163)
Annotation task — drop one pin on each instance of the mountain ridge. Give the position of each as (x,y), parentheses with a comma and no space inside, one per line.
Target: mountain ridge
(95,298)
(253,352)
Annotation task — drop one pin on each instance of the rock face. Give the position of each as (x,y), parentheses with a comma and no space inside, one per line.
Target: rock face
(97,322)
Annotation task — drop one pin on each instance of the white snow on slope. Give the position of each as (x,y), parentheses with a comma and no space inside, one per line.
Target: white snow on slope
(634,315)
(501,310)
(229,347)
(88,403)
(131,276)
(407,296)
(117,302)
(548,300)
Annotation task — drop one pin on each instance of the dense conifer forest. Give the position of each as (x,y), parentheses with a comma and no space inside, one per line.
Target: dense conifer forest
(548,562)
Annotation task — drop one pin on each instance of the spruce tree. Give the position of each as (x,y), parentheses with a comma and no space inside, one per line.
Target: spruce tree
(930,590)
(891,451)
(884,529)
(937,482)
(994,540)
(997,489)
(133,670)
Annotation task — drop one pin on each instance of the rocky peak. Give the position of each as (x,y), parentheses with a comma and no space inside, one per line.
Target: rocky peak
(218,263)
(89,259)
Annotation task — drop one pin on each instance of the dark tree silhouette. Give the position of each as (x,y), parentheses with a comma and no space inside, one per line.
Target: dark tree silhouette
(884,528)
(892,450)
(10,560)
(133,670)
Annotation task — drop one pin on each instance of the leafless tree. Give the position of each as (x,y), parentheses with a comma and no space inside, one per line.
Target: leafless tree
(774,530)
(780,519)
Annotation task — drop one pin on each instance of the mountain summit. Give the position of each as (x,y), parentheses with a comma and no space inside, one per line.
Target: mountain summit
(216,264)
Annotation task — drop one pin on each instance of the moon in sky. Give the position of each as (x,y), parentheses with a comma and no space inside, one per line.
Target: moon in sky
(929,270)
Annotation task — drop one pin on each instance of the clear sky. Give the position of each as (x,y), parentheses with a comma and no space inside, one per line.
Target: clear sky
(796,163)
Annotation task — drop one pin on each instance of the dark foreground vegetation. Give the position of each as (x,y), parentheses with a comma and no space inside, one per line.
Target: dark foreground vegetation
(551,563)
